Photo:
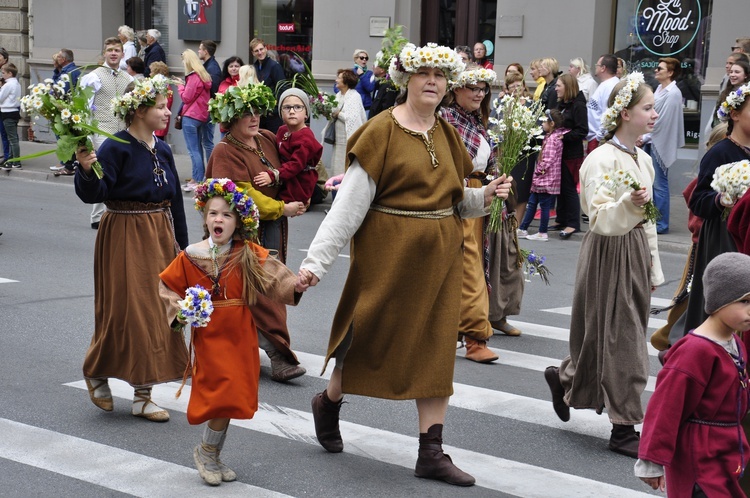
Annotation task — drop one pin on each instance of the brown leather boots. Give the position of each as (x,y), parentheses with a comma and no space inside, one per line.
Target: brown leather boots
(432,463)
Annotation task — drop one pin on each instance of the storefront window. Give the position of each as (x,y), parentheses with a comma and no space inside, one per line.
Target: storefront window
(286,27)
(647,30)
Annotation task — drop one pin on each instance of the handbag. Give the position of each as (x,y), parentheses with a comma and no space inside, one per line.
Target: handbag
(329,136)
(178,122)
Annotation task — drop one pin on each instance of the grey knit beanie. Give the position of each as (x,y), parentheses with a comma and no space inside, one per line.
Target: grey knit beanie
(296,92)
(726,280)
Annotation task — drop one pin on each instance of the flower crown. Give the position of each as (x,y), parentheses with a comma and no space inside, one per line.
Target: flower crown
(237,200)
(237,101)
(474,76)
(733,101)
(144,93)
(411,58)
(622,100)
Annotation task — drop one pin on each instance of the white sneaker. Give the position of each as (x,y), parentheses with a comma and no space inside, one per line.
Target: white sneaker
(189,187)
(521,234)
(542,237)
(57,167)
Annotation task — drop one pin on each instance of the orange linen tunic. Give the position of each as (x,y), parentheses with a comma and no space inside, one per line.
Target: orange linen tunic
(226,365)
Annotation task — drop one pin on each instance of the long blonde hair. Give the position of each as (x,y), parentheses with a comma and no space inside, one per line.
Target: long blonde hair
(192,63)
(247,75)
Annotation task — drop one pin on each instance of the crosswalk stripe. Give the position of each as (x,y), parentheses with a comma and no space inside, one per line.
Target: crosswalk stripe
(7,281)
(491,472)
(653,323)
(501,404)
(107,466)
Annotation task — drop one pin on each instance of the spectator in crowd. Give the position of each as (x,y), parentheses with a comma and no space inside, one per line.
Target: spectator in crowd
(206,51)
(668,134)
(108,82)
(63,61)
(733,57)
(606,73)
(549,69)
(622,68)
(230,73)
(480,56)
(142,43)
(6,145)
(465,52)
(541,82)
(348,115)
(365,80)
(385,92)
(580,71)
(270,73)
(742,45)
(135,67)
(153,52)
(248,76)
(10,111)
(159,67)
(739,74)
(195,92)
(514,67)
(127,37)
(572,105)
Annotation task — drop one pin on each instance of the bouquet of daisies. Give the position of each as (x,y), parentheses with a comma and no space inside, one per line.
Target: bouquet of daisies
(533,265)
(196,308)
(731,181)
(621,179)
(70,117)
(513,132)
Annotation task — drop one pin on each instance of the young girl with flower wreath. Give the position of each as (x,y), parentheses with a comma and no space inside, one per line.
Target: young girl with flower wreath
(706,203)
(618,267)
(235,270)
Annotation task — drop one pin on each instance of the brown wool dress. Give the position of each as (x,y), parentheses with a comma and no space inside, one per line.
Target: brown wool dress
(402,296)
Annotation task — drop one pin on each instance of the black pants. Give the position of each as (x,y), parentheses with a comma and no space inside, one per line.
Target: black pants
(568,203)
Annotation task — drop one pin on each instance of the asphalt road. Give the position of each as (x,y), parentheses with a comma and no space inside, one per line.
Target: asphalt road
(500,426)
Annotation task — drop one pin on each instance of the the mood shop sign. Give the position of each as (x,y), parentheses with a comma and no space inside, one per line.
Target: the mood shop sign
(667,27)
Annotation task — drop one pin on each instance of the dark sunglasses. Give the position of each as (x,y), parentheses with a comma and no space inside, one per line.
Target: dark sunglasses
(365,58)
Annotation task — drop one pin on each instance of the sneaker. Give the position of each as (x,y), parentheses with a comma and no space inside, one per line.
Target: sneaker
(189,186)
(521,234)
(16,166)
(57,167)
(6,167)
(538,236)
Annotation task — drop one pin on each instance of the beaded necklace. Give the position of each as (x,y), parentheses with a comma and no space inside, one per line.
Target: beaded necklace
(257,151)
(426,137)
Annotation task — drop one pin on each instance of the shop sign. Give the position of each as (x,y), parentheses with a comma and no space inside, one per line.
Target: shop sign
(285,27)
(667,27)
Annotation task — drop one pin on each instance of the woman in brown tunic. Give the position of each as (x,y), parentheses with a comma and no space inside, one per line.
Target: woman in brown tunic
(243,153)
(394,332)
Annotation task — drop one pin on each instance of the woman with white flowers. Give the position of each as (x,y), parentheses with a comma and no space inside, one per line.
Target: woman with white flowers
(394,332)
(618,267)
(706,203)
(469,112)
(140,234)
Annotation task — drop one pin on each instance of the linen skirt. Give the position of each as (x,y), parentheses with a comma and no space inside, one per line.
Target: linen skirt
(132,340)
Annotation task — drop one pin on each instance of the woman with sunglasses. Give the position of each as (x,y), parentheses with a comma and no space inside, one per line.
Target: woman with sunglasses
(366,83)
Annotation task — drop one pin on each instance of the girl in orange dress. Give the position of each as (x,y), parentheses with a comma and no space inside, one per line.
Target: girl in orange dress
(225,367)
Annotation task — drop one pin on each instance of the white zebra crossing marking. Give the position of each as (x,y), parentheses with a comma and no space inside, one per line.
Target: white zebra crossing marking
(7,281)
(109,467)
(491,472)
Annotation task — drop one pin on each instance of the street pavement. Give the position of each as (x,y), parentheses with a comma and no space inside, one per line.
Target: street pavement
(500,425)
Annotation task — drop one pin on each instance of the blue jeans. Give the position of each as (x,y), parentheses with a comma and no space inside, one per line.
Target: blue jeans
(193,131)
(545,202)
(208,139)
(661,190)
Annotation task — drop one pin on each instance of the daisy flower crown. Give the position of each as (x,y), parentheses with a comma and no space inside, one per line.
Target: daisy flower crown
(144,93)
(411,58)
(733,101)
(237,200)
(475,76)
(622,100)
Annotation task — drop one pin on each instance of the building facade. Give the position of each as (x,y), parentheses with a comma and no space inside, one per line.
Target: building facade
(324,33)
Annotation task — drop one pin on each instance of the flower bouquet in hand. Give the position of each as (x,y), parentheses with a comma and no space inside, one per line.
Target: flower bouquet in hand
(70,117)
(196,308)
(322,105)
(513,133)
(533,264)
(621,179)
(731,181)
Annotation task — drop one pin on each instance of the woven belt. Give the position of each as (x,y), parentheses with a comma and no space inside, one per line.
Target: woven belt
(225,303)
(138,211)
(430,215)
(711,422)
